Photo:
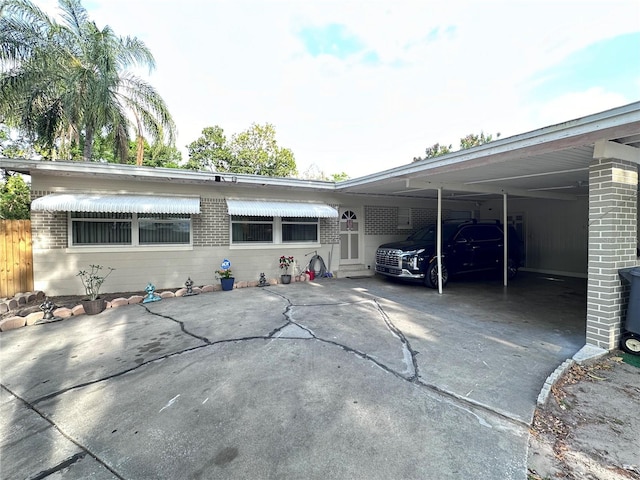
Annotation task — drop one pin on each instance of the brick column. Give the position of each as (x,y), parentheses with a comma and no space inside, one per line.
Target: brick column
(613,201)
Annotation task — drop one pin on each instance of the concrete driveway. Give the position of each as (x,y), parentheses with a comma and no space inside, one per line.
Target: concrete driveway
(349,379)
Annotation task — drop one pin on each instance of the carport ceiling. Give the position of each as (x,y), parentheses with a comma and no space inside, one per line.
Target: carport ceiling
(547,163)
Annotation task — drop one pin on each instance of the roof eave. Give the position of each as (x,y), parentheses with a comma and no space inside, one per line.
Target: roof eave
(582,131)
(110,170)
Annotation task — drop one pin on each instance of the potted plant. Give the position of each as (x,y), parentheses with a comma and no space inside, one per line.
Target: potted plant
(285,263)
(92,280)
(226,278)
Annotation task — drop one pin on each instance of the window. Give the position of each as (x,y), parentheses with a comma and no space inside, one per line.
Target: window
(164,229)
(129,229)
(247,229)
(101,228)
(295,229)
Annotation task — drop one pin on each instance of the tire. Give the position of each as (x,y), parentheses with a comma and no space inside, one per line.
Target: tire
(512,268)
(431,275)
(630,343)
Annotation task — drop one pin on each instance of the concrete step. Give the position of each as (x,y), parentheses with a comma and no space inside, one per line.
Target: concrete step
(353,270)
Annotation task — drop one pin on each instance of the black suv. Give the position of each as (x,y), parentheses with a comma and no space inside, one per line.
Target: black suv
(467,246)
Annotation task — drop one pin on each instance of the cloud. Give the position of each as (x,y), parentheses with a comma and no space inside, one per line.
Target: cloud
(361,86)
(332,39)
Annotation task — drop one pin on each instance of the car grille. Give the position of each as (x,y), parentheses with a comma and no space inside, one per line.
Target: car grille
(388,257)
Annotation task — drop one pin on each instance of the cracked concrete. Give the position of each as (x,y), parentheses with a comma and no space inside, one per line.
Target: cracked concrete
(329,379)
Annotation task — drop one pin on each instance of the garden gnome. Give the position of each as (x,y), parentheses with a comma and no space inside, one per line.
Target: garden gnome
(151,296)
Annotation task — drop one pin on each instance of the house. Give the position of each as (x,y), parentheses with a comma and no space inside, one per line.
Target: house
(570,190)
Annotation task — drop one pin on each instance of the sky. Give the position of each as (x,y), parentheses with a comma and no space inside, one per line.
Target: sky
(362,86)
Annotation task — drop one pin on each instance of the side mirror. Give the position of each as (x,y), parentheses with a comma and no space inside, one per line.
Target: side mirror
(461,240)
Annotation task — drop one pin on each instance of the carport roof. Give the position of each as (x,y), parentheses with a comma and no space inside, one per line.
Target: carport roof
(552,162)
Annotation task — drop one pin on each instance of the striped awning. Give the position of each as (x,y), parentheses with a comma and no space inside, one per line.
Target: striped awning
(103,203)
(264,208)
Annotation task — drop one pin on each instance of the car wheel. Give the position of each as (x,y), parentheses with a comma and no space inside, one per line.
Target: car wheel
(431,276)
(630,343)
(512,268)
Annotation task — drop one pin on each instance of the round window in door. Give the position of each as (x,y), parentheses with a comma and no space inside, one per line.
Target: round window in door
(349,236)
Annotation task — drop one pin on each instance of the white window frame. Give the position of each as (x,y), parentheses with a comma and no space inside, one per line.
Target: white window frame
(277,240)
(135,235)
(309,242)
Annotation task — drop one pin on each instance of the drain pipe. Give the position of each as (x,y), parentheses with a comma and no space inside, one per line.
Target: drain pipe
(439,240)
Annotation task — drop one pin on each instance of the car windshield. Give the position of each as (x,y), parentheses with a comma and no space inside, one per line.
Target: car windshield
(428,234)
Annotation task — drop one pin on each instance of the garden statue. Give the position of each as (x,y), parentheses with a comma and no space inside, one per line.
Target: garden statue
(47,307)
(151,296)
(263,281)
(189,285)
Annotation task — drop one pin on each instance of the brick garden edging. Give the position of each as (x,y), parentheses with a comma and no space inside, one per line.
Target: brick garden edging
(17,321)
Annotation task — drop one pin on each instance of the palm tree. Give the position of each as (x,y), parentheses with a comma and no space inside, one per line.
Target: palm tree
(64,82)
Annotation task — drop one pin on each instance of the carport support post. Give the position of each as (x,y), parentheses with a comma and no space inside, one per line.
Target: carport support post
(439,240)
(613,233)
(505,239)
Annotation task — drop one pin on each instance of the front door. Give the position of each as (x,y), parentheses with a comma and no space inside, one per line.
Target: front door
(350,235)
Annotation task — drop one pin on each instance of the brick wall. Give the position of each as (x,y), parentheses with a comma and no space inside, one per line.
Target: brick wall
(211,227)
(48,229)
(382,220)
(613,200)
(330,229)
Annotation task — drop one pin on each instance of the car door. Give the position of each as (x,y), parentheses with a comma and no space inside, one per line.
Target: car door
(463,255)
(488,246)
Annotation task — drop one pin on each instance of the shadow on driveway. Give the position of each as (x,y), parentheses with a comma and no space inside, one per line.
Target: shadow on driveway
(330,379)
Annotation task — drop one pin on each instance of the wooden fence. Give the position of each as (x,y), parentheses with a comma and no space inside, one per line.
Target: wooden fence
(16,261)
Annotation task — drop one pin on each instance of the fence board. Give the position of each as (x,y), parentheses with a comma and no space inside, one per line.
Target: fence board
(16,262)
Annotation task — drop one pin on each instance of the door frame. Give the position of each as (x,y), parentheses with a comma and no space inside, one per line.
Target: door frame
(360,216)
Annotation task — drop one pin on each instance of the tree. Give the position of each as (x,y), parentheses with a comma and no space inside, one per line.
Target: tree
(14,198)
(339,177)
(157,155)
(314,173)
(210,151)
(471,140)
(434,151)
(254,151)
(19,147)
(65,83)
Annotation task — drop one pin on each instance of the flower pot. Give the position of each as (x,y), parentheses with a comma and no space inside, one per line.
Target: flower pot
(227,283)
(285,279)
(93,307)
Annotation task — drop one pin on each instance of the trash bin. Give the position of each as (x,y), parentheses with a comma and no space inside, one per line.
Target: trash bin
(630,340)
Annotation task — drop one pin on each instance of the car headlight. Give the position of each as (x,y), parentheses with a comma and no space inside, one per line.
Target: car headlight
(410,259)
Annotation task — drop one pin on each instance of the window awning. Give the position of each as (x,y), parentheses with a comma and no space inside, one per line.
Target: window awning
(90,202)
(263,208)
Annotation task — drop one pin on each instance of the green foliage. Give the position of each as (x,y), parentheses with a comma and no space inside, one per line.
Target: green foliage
(473,140)
(434,151)
(157,155)
(224,273)
(339,177)
(210,151)
(285,263)
(254,151)
(19,147)
(470,141)
(64,84)
(93,279)
(15,200)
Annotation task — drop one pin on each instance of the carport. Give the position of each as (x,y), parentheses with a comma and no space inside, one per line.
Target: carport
(571,189)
